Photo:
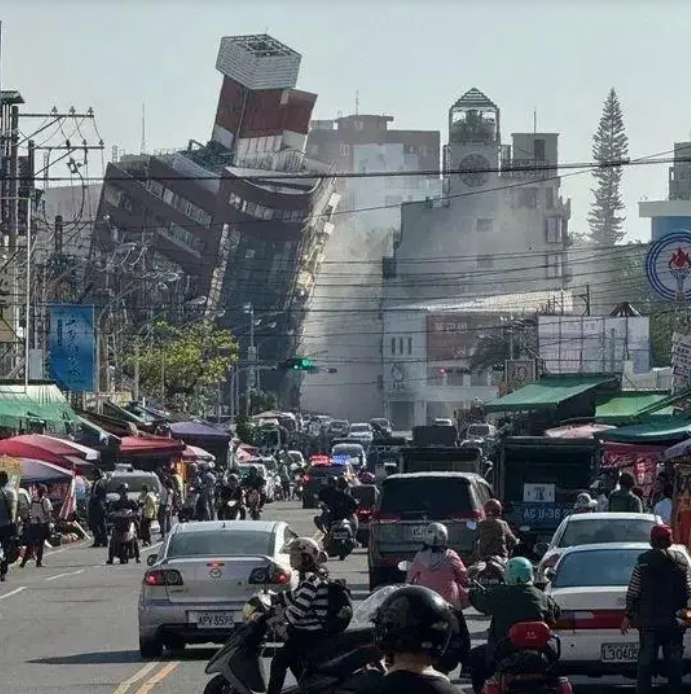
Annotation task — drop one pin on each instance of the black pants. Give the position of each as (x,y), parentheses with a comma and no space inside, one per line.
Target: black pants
(145,530)
(480,669)
(672,643)
(99,529)
(292,655)
(37,535)
(7,540)
(458,651)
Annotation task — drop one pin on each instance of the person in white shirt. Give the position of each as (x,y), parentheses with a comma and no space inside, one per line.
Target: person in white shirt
(40,519)
(663,508)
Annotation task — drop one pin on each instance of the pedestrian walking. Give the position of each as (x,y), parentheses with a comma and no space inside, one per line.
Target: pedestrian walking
(8,524)
(97,510)
(624,499)
(165,507)
(149,513)
(659,588)
(40,524)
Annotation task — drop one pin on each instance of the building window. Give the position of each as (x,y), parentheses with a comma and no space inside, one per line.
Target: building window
(112,195)
(155,188)
(344,150)
(358,125)
(555,265)
(527,197)
(410,345)
(250,253)
(400,345)
(169,197)
(485,262)
(235,200)
(484,225)
(313,150)
(553,229)
(393,345)
(549,198)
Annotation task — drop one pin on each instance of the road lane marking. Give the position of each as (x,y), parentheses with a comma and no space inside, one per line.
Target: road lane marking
(124,686)
(148,549)
(157,678)
(13,592)
(69,573)
(73,545)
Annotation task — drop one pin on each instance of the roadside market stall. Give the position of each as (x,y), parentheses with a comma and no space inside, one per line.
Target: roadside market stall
(211,439)
(60,452)
(152,452)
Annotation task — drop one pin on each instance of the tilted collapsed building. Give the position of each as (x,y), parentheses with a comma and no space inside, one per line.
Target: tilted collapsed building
(244,217)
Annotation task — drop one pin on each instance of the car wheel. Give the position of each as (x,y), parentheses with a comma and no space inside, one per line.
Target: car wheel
(219,685)
(150,649)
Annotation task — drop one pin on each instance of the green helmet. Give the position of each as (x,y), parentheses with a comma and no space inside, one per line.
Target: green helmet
(519,571)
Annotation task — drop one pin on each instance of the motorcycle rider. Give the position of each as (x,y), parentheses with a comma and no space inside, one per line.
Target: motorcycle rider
(494,537)
(339,505)
(412,628)
(207,489)
(231,491)
(306,610)
(254,481)
(440,569)
(123,503)
(517,601)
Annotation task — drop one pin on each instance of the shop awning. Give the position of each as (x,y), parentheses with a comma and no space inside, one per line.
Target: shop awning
(624,407)
(664,431)
(40,471)
(149,446)
(38,401)
(199,431)
(50,450)
(581,431)
(194,453)
(548,393)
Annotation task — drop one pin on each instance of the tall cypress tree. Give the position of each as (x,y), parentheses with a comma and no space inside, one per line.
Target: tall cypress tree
(610,143)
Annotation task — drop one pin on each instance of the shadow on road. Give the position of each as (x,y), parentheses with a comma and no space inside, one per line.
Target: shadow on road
(99,658)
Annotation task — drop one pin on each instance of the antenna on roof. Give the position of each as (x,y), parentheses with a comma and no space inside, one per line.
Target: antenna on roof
(143,145)
(357,102)
(535,121)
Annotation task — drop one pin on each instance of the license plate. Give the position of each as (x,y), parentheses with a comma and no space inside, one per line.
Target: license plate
(340,536)
(418,531)
(619,653)
(214,620)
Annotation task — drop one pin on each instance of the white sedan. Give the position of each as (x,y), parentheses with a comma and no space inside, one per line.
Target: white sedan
(593,528)
(589,584)
(362,432)
(203,575)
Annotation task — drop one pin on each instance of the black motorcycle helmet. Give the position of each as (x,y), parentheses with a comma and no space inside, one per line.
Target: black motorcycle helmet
(332,481)
(343,483)
(413,619)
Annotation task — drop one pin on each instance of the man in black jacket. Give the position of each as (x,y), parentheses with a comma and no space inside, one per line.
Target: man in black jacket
(660,586)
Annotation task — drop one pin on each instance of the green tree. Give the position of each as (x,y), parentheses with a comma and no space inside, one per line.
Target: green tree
(185,360)
(610,143)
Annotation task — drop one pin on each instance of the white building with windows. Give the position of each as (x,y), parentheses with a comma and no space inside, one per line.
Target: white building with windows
(427,348)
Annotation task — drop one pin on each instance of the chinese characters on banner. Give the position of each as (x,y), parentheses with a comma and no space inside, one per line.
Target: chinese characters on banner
(72,347)
(681,516)
(453,336)
(640,461)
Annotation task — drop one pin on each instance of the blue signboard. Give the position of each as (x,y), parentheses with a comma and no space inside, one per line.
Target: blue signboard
(72,347)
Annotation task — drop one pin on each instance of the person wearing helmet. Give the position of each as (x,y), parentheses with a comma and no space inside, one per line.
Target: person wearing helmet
(412,628)
(494,537)
(123,506)
(440,569)
(517,601)
(255,482)
(585,504)
(230,491)
(306,609)
(337,504)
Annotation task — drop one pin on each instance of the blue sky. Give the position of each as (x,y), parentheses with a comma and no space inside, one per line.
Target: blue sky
(409,59)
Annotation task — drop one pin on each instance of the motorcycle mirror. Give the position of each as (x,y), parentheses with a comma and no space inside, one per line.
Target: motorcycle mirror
(403,566)
(151,559)
(550,574)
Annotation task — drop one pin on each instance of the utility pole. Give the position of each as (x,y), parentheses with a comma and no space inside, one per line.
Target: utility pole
(587,299)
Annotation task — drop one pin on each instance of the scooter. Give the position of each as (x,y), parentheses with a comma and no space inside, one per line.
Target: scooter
(527,661)
(229,510)
(124,535)
(488,573)
(340,540)
(336,665)
(253,504)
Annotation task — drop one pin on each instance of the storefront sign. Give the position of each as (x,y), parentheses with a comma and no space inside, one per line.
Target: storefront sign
(681,516)
(640,461)
(72,347)
(452,336)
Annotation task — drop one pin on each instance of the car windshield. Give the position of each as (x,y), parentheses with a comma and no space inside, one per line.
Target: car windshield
(345,449)
(339,424)
(220,543)
(134,482)
(479,430)
(599,530)
(438,498)
(360,428)
(597,567)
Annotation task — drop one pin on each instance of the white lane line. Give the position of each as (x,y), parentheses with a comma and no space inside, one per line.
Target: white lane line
(13,592)
(73,545)
(148,549)
(70,573)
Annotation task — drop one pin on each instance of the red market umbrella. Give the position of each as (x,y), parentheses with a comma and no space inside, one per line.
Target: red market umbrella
(192,453)
(49,449)
(150,446)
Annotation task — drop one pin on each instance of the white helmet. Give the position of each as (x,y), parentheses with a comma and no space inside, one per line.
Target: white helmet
(307,547)
(436,535)
(585,502)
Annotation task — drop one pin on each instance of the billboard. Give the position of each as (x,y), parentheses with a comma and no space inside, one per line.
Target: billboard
(72,347)
(453,336)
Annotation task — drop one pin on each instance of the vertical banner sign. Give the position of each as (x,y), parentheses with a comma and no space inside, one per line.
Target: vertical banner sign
(681,516)
(72,348)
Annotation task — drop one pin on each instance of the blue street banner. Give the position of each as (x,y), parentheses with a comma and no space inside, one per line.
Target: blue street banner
(72,347)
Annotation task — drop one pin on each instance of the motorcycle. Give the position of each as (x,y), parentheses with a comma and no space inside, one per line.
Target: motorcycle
(229,510)
(340,540)
(527,661)
(190,509)
(253,504)
(124,534)
(488,573)
(337,665)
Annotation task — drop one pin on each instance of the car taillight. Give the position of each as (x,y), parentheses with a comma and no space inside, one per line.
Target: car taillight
(576,620)
(274,575)
(163,577)
(364,512)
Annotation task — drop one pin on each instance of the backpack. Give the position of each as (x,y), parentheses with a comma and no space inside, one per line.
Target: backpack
(340,610)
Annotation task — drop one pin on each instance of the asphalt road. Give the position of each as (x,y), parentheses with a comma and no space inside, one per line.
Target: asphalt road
(71,627)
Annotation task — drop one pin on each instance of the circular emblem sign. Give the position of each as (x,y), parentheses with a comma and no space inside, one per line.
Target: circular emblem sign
(668,266)
(215,573)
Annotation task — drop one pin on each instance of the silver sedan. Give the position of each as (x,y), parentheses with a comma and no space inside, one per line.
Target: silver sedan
(196,587)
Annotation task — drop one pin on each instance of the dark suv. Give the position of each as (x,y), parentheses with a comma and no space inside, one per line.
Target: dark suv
(408,503)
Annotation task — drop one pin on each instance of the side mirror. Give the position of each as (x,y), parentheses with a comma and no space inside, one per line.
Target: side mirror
(540,549)
(151,559)
(550,574)
(404,566)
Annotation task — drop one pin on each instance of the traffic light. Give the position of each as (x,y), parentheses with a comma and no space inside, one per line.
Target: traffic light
(299,364)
